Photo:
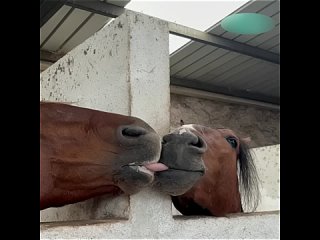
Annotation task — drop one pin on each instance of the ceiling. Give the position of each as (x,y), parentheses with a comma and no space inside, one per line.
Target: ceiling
(69,25)
(195,65)
(205,67)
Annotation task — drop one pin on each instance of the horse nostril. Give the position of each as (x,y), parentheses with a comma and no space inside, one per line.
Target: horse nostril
(199,143)
(133,132)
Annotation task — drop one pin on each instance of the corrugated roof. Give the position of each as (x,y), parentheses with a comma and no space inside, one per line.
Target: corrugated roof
(195,65)
(213,69)
(70,26)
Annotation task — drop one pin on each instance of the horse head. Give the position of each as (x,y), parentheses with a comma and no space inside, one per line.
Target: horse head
(207,170)
(85,153)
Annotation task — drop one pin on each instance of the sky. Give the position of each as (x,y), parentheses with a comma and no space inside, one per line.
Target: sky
(195,14)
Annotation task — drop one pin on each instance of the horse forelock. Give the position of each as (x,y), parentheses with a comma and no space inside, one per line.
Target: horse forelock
(185,128)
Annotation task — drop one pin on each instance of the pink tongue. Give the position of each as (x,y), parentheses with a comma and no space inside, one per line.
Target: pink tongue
(156,167)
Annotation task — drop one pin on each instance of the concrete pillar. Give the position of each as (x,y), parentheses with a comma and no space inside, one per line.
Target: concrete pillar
(150,211)
(123,68)
(150,214)
(267,160)
(149,71)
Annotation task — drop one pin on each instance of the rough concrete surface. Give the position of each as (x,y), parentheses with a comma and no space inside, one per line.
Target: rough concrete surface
(261,125)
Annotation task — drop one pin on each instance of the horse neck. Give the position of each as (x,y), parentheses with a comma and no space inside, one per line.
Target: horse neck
(221,197)
(54,193)
(58,197)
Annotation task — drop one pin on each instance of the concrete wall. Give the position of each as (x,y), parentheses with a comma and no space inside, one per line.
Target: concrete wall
(261,125)
(115,70)
(248,226)
(267,160)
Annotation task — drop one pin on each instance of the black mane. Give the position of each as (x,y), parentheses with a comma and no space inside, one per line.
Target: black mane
(248,178)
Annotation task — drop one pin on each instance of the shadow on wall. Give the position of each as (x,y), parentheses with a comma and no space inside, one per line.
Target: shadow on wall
(98,208)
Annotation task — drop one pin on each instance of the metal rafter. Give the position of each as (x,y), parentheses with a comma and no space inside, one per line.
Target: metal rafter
(98,7)
(48,8)
(221,42)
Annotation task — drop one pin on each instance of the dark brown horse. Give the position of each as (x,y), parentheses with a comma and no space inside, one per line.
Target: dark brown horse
(86,153)
(209,171)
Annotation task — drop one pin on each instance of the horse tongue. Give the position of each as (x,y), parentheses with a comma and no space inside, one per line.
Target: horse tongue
(156,167)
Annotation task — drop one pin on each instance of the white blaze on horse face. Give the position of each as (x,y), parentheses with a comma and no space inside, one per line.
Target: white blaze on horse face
(182,130)
(185,128)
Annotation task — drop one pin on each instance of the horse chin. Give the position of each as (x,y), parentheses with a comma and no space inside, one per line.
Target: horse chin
(142,170)
(176,182)
(133,178)
(185,166)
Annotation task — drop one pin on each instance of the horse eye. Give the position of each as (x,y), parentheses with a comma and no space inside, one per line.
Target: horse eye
(233,142)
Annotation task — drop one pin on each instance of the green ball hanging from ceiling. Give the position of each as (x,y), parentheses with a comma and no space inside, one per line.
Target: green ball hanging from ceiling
(247,23)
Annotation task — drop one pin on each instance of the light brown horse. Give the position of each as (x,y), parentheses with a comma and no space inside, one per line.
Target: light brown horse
(86,153)
(209,171)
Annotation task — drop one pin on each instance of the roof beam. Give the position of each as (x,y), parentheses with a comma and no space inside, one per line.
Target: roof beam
(48,8)
(44,65)
(189,83)
(222,42)
(98,7)
(114,11)
(50,56)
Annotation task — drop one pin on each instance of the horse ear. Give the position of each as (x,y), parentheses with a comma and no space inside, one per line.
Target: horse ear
(246,140)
